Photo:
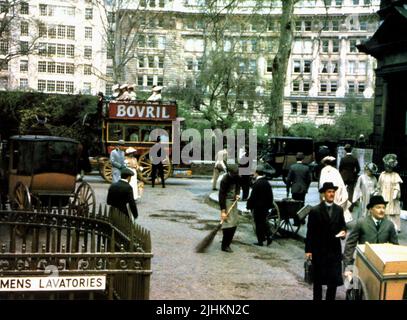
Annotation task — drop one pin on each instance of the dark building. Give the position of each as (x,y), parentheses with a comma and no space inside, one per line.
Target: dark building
(389,46)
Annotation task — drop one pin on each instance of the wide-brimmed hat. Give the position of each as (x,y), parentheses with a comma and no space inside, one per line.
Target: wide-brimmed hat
(115,87)
(126,172)
(130,150)
(376,200)
(371,167)
(300,156)
(157,88)
(123,86)
(327,186)
(390,160)
(328,159)
(120,142)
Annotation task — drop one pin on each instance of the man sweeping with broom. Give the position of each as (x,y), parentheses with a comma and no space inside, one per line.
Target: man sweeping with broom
(228,195)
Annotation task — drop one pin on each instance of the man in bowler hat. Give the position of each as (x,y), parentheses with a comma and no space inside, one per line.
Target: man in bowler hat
(374,228)
(121,193)
(326,227)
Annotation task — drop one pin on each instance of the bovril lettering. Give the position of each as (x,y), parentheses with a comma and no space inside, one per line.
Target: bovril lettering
(153,112)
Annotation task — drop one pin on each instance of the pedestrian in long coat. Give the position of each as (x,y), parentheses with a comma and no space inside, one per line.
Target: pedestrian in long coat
(229,191)
(349,169)
(260,202)
(365,186)
(299,178)
(326,227)
(117,159)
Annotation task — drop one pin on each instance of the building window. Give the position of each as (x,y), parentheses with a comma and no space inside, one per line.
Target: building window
(304,108)
(307,66)
(140,81)
(88,13)
(335,45)
(61,32)
(294,107)
(69,87)
(334,66)
(160,81)
(23,83)
(51,67)
(150,81)
(70,68)
(50,85)
(42,66)
(109,71)
(307,25)
(3,47)
(352,46)
(320,108)
(199,64)
(24,8)
(88,33)
(323,87)
(60,86)
(51,49)
(87,69)
(41,85)
(334,86)
(24,28)
(325,45)
(43,10)
(52,32)
(141,63)
(161,62)
(190,64)
(335,25)
(42,30)
(150,62)
(351,67)
(24,47)
(23,65)
(60,68)
(70,32)
(351,87)
(331,108)
(3,64)
(297,66)
(60,50)
(269,66)
(296,86)
(306,86)
(361,87)
(88,52)
(363,25)
(362,68)
(87,87)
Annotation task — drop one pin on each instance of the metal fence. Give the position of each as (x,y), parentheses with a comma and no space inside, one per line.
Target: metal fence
(50,242)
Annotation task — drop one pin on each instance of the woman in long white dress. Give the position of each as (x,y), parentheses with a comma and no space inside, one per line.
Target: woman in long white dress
(132,164)
(366,185)
(330,174)
(389,188)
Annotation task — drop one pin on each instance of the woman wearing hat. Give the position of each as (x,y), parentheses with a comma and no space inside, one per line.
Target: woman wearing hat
(156,94)
(389,188)
(365,186)
(133,165)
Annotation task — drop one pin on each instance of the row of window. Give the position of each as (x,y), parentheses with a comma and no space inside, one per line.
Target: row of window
(328,86)
(59,31)
(151,41)
(151,62)
(302,108)
(326,66)
(55,86)
(57,11)
(5,7)
(58,49)
(152,3)
(56,67)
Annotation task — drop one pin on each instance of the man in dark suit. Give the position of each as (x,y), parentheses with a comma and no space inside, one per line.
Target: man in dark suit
(374,228)
(326,226)
(121,193)
(349,169)
(299,178)
(260,202)
(157,162)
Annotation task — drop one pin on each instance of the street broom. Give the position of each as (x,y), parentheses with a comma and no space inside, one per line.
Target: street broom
(207,241)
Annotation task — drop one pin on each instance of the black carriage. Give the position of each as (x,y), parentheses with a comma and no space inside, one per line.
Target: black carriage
(41,171)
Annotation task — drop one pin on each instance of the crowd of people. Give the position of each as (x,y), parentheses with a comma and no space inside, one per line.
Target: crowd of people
(126,92)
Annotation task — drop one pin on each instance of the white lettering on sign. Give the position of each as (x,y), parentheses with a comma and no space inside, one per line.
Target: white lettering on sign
(74,283)
(142,112)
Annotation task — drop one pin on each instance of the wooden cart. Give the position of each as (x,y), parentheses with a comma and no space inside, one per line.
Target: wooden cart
(42,172)
(380,272)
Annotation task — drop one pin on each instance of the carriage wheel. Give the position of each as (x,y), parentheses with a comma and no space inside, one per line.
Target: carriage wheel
(145,173)
(273,218)
(106,171)
(289,225)
(84,201)
(22,197)
(358,290)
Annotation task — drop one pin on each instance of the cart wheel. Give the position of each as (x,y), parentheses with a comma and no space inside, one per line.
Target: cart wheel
(84,201)
(273,218)
(289,225)
(106,171)
(22,197)
(145,173)
(358,290)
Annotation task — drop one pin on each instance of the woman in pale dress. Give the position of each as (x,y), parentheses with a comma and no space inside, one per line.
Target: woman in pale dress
(132,164)
(330,174)
(366,185)
(389,188)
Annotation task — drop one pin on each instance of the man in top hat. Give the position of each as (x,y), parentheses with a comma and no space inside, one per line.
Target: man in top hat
(326,227)
(349,169)
(117,158)
(260,202)
(374,228)
(299,178)
(156,94)
(120,194)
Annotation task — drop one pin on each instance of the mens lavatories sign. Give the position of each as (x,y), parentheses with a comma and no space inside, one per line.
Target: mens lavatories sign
(75,283)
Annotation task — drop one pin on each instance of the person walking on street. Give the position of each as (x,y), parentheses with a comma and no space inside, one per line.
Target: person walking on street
(133,165)
(349,169)
(220,165)
(325,229)
(299,178)
(374,228)
(245,174)
(117,158)
(229,191)
(260,202)
(365,186)
(157,162)
(389,188)
(121,193)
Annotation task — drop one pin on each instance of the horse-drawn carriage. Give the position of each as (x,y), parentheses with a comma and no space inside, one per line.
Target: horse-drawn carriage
(40,171)
(133,122)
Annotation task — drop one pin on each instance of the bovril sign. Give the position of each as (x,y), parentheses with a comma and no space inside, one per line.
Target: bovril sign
(142,111)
